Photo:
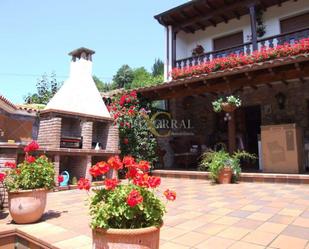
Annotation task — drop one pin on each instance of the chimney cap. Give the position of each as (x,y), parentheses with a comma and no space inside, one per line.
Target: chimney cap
(79,51)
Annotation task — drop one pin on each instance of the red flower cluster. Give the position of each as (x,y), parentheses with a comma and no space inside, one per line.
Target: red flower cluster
(33,146)
(2,176)
(30,159)
(11,165)
(84,183)
(98,169)
(110,184)
(134,198)
(115,162)
(60,179)
(232,61)
(170,195)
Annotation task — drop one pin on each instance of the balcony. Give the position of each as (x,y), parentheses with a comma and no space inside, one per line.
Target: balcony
(246,48)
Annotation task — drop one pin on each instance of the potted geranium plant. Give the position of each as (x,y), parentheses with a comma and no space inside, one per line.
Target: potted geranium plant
(27,184)
(227,104)
(222,166)
(126,214)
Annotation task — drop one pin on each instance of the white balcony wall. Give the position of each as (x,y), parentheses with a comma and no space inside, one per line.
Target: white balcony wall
(186,42)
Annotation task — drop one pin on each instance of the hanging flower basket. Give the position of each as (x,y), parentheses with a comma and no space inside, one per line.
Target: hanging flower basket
(228,104)
(198,50)
(227,107)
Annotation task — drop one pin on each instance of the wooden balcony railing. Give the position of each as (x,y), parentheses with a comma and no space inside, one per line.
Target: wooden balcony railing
(246,48)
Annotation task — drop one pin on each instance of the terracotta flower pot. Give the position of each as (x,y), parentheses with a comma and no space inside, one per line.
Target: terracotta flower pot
(27,206)
(225,175)
(142,238)
(227,107)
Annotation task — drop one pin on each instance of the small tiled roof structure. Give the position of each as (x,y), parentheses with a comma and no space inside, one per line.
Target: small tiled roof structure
(8,106)
(112,93)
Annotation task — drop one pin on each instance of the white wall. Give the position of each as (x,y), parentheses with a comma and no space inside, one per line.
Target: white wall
(186,41)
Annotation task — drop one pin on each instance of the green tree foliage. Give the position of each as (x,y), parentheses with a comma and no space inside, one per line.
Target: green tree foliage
(123,77)
(158,68)
(47,86)
(102,86)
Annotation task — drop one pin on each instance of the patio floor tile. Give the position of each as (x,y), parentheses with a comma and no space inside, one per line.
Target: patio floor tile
(234,233)
(260,238)
(288,242)
(191,238)
(215,243)
(245,245)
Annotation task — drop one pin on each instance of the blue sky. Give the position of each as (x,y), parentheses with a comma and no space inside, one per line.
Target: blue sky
(36,35)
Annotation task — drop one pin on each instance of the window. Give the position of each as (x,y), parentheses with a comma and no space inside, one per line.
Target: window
(160,104)
(228,41)
(294,23)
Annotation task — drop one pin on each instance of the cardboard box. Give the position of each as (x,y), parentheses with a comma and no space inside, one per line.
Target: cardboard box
(282,147)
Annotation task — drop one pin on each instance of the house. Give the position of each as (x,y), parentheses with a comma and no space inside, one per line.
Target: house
(274,91)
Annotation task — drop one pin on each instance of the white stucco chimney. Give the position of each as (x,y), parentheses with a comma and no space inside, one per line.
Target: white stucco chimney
(79,94)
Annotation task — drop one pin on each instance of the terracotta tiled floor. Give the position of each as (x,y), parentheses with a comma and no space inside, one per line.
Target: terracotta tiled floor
(237,216)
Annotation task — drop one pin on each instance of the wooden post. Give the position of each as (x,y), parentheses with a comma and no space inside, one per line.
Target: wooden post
(232,132)
(173,48)
(253,26)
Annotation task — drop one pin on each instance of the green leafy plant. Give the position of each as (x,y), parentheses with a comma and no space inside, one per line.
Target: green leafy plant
(215,161)
(32,173)
(132,203)
(232,100)
(131,113)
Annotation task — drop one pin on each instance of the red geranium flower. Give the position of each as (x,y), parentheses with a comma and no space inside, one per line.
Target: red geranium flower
(30,159)
(144,165)
(84,183)
(134,198)
(128,161)
(154,181)
(60,179)
(11,165)
(125,140)
(95,171)
(103,167)
(115,162)
(141,179)
(170,195)
(2,177)
(110,184)
(33,146)
(132,172)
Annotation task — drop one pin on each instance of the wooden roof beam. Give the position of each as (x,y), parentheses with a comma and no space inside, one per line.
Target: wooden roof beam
(213,23)
(236,14)
(224,18)
(248,75)
(217,12)
(302,80)
(284,82)
(269,85)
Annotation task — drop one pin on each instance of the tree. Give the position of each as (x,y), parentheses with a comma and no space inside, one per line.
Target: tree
(123,77)
(158,68)
(102,86)
(140,77)
(47,86)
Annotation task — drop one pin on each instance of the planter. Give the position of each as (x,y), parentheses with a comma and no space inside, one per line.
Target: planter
(225,175)
(227,107)
(142,238)
(27,206)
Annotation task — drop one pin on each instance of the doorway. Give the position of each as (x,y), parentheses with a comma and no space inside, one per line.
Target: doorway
(249,130)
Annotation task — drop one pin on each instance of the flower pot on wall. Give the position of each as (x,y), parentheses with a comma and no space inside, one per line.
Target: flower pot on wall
(225,175)
(27,206)
(142,238)
(227,107)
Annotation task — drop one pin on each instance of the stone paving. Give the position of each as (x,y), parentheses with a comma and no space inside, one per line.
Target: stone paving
(236,216)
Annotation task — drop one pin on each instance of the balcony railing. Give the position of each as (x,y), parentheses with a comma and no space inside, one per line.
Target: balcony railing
(245,48)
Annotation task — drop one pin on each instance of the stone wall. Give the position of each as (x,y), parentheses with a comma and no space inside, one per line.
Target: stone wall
(87,134)
(111,136)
